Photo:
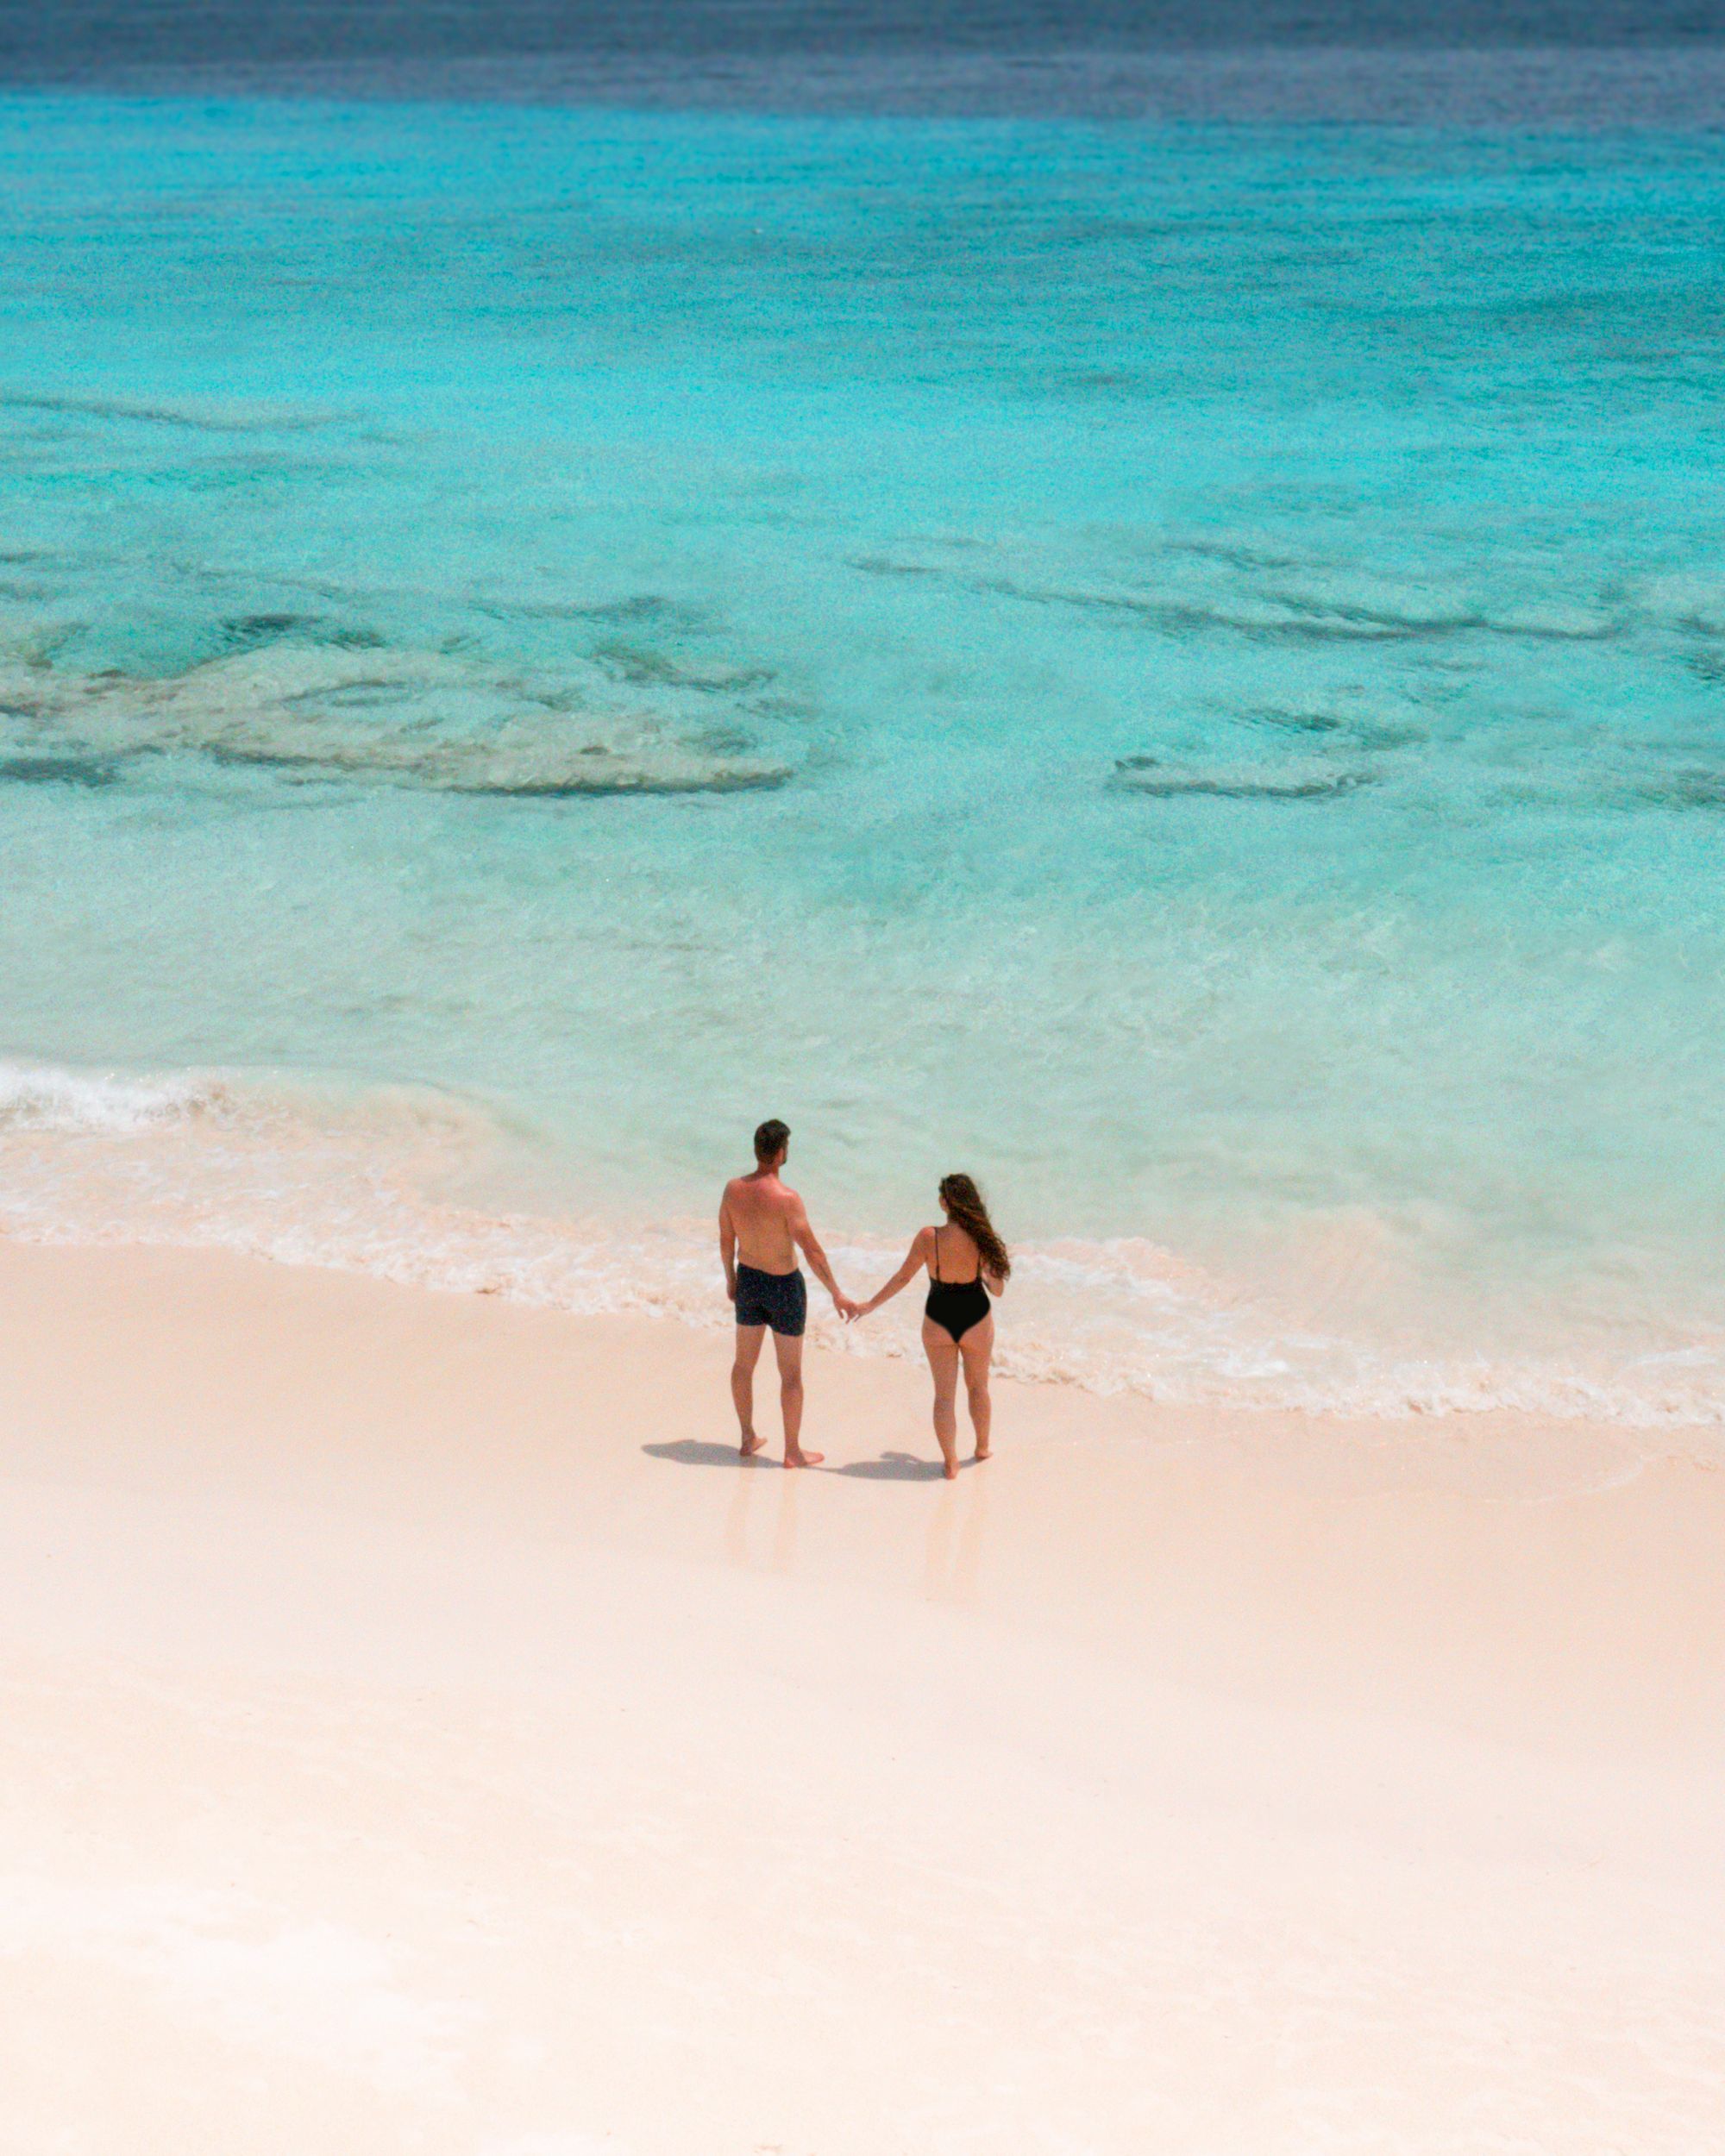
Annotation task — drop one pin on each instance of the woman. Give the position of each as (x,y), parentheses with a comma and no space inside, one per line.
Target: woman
(964,1258)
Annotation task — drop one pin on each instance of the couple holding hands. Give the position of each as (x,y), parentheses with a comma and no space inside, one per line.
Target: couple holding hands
(762,1224)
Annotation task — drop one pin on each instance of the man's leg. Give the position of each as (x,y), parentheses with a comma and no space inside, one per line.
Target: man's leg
(788,1347)
(749,1339)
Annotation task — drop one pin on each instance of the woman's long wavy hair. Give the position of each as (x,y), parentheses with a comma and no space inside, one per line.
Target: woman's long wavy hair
(965,1209)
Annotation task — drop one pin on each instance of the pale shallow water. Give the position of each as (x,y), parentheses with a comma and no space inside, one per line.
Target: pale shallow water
(1180,669)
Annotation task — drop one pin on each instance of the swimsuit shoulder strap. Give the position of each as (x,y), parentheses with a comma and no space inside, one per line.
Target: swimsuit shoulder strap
(936,1253)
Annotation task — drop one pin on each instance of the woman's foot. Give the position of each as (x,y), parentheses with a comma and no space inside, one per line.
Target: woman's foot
(982,1452)
(751,1444)
(800,1458)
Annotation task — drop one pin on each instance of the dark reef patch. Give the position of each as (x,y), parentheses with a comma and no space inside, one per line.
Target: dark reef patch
(1297,782)
(614,785)
(1687,790)
(249,632)
(87,772)
(644,667)
(200,418)
(638,609)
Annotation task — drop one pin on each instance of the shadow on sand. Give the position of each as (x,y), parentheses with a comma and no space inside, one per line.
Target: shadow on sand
(690,1452)
(894,1467)
(891,1467)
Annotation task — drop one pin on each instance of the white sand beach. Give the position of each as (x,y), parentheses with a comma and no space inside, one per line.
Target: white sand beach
(1110,598)
(421,1734)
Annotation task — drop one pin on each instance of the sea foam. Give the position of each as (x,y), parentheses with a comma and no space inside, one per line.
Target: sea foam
(360,1179)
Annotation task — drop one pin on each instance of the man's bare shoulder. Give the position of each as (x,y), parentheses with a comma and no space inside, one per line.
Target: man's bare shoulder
(750,1191)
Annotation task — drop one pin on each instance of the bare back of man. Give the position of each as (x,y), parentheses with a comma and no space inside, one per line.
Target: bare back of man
(765,1211)
(762,1226)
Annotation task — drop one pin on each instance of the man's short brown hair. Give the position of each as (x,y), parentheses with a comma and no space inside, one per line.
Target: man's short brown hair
(771,1139)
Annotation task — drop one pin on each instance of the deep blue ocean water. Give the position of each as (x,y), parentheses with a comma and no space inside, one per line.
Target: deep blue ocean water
(1179,665)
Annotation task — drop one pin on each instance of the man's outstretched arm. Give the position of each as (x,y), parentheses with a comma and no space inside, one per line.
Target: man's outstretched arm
(807,1241)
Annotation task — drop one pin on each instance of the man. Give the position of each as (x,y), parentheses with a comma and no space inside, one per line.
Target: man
(762,1225)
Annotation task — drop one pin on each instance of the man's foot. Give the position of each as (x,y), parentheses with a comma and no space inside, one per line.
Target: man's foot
(750,1445)
(801,1458)
(982,1452)
(949,1470)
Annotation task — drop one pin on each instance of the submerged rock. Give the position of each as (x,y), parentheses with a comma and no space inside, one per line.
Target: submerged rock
(203,414)
(1183,587)
(1686,789)
(73,770)
(1554,620)
(1342,726)
(620,776)
(418,719)
(1304,781)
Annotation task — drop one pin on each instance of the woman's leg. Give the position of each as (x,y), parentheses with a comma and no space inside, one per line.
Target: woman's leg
(942,1351)
(978,1348)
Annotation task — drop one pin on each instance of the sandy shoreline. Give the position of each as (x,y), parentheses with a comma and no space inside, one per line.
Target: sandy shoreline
(422,1735)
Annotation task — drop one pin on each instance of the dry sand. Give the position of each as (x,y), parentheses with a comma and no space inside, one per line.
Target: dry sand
(421,1734)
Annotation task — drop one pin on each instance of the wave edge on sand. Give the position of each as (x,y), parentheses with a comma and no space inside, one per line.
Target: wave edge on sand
(389,1181)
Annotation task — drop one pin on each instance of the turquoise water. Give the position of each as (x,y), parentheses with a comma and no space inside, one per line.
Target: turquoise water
(1180,670)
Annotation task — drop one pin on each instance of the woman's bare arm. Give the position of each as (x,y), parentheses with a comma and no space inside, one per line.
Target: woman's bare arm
(914,1264)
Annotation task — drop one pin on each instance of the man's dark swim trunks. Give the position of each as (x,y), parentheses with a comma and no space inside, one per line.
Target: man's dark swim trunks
(780,1299)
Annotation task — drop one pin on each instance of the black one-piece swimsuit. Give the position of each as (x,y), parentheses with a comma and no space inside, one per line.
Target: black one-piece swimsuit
(957,1304)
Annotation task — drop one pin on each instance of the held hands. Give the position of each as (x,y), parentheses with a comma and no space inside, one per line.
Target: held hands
(847,1309)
